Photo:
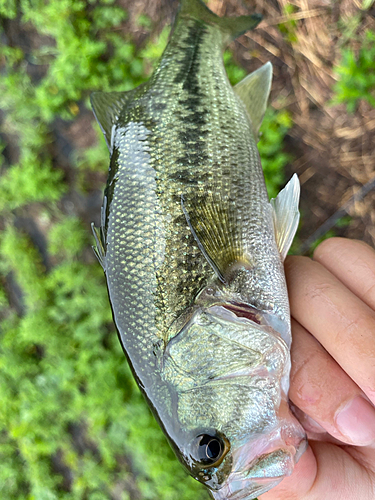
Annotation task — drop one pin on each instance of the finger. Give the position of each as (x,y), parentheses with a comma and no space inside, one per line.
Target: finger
(340,474)
(296,485)
(337,318)
(314,431)
(325,471)
(353,263)
(320,388)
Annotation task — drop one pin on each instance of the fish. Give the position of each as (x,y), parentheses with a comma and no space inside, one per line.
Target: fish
(193,249)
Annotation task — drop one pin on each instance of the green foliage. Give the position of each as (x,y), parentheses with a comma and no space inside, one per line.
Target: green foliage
(94,158)
(272,133)
(68,238)
(329,234)
(30,180)
(73,424)
(296,247)
(356,73)
(235,73)
(61,366)
(289,27)
(144,21)
(8,8)
(153,51)
(366,4)
(344,221)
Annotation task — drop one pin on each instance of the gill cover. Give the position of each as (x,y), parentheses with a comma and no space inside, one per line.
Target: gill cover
(257,442)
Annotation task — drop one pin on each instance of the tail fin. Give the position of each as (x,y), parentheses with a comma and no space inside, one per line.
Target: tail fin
(231,26)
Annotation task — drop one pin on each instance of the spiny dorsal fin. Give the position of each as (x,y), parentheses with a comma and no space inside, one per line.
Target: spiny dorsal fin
(286,215)
(231,26)
(107,107)
(216,229)
(254,91)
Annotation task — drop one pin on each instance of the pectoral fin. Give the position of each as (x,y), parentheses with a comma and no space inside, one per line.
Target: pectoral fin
(254,91)
(286,215)
(216,230)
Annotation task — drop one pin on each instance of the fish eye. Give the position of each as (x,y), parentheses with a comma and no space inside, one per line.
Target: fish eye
(210,450)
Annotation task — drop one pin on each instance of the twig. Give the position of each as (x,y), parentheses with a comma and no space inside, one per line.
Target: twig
(296,16)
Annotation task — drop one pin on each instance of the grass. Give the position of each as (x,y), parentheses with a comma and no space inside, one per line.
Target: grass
(73,424)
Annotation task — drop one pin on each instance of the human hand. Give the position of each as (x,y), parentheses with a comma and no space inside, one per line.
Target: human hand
(332,300)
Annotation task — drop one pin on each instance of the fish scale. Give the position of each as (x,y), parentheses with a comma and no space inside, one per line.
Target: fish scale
(189,245)
(229,168)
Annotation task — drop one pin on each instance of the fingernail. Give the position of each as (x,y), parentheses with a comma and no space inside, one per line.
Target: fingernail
(356,421)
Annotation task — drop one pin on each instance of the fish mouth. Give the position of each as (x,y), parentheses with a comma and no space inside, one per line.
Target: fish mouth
(240,313)
(246,492)
(260,475)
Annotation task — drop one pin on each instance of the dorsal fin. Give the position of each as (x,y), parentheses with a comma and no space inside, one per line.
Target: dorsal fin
(107,107)
(286,215)
(254,91)
(217,231)
(232,27)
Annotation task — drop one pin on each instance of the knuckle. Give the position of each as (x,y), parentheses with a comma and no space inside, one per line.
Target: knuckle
(314,290)
(304,389)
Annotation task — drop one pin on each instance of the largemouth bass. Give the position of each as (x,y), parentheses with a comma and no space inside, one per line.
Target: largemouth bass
(192,251)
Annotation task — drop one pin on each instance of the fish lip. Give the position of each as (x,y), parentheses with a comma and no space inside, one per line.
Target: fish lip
(240,486)
(250,492)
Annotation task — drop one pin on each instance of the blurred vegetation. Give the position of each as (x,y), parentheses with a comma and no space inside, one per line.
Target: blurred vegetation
(289,27)
(356,74)
(73,424)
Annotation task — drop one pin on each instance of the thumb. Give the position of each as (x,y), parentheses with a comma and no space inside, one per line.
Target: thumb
(299,483)
(326,471)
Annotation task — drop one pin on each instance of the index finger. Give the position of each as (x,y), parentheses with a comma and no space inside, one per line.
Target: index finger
(336,317)
(353,263)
